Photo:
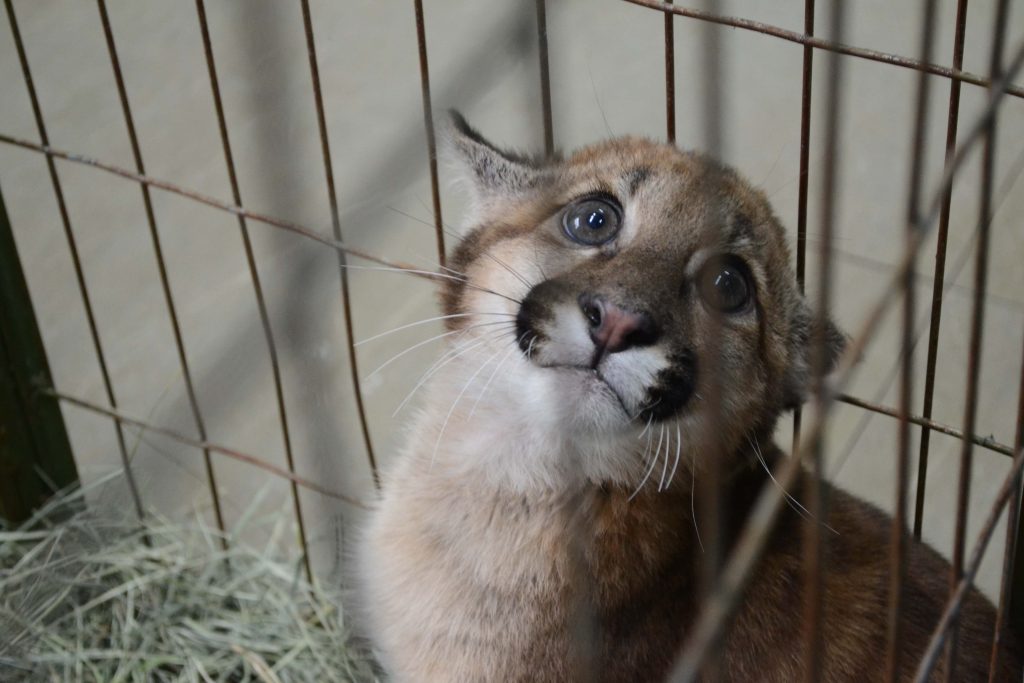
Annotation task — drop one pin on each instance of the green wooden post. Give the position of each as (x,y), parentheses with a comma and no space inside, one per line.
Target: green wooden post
(1016,568)
(35,454)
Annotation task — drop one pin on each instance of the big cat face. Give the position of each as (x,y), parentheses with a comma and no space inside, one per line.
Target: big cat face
(625,268)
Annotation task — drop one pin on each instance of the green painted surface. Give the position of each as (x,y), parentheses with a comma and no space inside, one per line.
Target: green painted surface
(35,454)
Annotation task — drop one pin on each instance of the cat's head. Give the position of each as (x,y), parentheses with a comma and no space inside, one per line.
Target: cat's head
(631,268)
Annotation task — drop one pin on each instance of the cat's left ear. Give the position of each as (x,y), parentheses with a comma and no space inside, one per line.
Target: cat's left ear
(797,382)
(491,172)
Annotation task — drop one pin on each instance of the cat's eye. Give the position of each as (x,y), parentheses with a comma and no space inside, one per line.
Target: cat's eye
(592,221)
(724,285)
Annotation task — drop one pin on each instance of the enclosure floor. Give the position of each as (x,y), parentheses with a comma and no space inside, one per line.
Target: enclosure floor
(607,74)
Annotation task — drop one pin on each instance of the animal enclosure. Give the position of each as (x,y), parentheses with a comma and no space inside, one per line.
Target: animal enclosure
(223,212)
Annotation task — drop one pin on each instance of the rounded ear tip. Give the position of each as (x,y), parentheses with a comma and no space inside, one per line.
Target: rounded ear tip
(452,130)
(458,121)
(836,340)
(458,128)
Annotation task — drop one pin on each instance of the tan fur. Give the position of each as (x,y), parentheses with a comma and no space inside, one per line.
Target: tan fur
(528,534)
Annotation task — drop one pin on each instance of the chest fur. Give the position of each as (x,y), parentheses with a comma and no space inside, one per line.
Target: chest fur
(477,585)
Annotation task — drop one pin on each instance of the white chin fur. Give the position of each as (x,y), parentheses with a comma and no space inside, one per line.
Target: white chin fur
(531,428)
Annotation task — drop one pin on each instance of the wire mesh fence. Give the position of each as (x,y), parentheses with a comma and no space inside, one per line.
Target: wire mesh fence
(527,36)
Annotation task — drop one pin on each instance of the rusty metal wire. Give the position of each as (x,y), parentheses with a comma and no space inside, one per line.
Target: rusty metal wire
(346,301)
(724,593)
(898,542)
(712,496)
(806,85)
(207,200)
(76,259)
(670,76)
(545,77)
(814,552)
(165,284)
(735,575)
(941,633)
(428,124)
(250,258)
(977,330)
(952,118)
(830,46)
(1013,522)
(983,441)
(123,419)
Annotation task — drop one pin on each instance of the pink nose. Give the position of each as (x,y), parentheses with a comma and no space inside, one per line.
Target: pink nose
(615,329)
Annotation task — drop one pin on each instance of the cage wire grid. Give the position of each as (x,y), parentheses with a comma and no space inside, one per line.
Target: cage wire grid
(726,577)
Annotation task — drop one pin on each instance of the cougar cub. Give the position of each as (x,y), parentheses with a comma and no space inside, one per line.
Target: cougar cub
(540,524)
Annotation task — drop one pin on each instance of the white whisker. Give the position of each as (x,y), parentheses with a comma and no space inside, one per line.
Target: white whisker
(664,470)
(648,426)
(654,461)
(510,269)
(444,425)
(424,322)
(640,411)
(536,262)
(431,273)
(446,230)
(515,346)
(529,349)
(446,358)
(790,499)
(693,497)
(679,446)
(456,273)
(415,346)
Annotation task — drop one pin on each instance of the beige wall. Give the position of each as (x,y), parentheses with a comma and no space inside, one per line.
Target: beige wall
(607,78)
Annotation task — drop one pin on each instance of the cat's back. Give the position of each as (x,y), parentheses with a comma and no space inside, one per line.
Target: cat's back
(855,630)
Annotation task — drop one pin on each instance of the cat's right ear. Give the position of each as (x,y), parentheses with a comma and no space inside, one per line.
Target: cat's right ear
(490,171)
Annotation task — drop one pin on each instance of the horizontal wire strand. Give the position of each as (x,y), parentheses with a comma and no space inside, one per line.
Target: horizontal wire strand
(939,270)
(822,44)
(752,540)
(122,418)
(76,260)
(953,605)
(238,210)
(983,441)
(250,256)
(158,252)
(211,202)
(428,125)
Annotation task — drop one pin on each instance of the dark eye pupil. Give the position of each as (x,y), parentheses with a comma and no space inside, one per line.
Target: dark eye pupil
(724,287)
(592,221)
(729,286)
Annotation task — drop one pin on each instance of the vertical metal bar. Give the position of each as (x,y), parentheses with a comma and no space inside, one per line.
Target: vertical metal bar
(670,76)
(428,123)
(35,454)
(346,302)
(814,556)
(179,342)
(545,77)
(754,537)
(898,543)
(332,197)
(805,156)
(76,260)
(977,328)
(952,117)
(250,257)
(954,606)
(1010,584)
(710,494)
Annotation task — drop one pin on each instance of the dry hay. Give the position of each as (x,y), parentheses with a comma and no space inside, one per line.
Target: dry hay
(90,599)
